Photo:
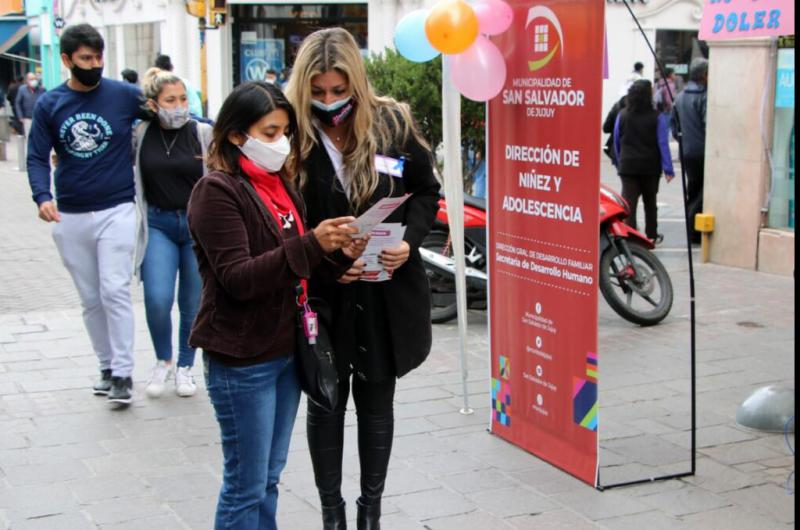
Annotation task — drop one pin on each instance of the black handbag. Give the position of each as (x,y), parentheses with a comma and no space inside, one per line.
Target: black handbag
(315,361)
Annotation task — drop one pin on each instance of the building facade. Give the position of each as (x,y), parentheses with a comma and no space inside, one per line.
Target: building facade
(135,31)
(750,184)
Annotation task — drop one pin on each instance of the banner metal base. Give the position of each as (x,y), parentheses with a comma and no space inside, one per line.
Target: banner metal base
(601,487)
(692,322)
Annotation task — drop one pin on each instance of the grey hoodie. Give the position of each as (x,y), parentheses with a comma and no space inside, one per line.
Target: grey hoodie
(691,107)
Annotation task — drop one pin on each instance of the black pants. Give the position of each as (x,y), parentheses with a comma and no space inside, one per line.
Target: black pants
(695,174)
(375,411)
(645,186)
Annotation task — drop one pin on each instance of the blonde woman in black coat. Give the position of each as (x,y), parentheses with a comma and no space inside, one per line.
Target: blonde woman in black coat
(381,331)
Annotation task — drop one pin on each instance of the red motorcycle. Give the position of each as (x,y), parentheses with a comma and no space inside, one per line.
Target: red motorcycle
(632,279)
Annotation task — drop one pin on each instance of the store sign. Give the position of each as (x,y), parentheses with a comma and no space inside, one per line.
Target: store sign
(784,80)
(258,56)
(544,178)
(678,68)
(738,19)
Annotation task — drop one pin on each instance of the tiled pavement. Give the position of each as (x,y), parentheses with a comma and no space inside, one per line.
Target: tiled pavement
(68,462)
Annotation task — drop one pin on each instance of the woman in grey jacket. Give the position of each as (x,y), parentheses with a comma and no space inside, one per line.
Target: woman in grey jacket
(170,158)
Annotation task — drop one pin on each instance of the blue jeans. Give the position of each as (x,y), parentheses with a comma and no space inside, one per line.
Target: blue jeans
(169,254)
(255,407)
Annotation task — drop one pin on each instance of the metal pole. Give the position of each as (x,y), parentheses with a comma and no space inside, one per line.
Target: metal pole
(454,195)
(22,162)
(203,67)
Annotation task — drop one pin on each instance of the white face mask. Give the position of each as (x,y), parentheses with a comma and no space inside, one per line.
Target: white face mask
(173,118)
(268,156)
(33,84)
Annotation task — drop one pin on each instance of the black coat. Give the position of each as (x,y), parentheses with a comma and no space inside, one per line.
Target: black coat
(381,330)
(639,152)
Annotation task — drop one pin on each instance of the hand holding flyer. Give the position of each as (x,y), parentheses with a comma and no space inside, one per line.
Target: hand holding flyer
(382,236)
(375,215)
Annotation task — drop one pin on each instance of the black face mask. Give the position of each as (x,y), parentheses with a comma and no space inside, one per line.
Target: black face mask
(333,118)
(87,76)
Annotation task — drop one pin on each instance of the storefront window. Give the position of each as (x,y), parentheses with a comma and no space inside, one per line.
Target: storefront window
(676,50)
(267,37)
(141,44)
(781,200)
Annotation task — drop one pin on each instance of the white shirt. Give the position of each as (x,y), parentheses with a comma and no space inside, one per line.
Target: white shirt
(337,158)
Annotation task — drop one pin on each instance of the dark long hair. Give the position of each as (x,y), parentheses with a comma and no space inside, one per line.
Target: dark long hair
(247,104)
(640,97)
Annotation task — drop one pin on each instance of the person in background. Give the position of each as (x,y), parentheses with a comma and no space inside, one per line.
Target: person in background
(636,75)
(26,99)
(665,92)
(641,141)
(381,331)
(271,77)
(283,79)
(254,247)
(88,121)
(170,154)
(608,128)
(164,62)
(690,109)
(11,97)
(130,76)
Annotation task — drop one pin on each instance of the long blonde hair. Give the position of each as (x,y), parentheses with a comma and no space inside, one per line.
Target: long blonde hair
(378,123)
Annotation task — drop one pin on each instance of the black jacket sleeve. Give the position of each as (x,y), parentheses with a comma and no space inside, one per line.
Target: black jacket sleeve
(419,180)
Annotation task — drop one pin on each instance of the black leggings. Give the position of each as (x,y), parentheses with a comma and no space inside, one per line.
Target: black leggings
(375,411)
(647,187)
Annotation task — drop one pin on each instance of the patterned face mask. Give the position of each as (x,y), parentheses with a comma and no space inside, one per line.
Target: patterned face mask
(173,118)
(335,113)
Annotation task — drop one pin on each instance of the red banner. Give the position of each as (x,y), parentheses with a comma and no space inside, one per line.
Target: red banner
(544,179)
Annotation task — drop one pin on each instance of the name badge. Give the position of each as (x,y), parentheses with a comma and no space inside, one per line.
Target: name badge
(390,166)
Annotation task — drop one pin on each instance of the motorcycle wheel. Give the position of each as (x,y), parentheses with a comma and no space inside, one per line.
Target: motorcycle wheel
(643,299)
(443,288)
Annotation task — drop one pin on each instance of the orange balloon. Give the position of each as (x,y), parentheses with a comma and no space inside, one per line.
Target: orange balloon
(452,26)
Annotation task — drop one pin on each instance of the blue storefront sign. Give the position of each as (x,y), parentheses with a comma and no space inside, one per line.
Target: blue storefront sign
(784,80)
(258,56)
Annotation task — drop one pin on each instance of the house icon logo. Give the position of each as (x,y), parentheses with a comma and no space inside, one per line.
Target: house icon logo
(548,37)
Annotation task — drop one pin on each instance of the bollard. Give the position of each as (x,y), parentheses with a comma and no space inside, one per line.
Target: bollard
(4,136)
(704,223)
(22,162)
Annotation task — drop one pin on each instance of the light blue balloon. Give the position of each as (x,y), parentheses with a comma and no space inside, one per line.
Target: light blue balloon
(410,39)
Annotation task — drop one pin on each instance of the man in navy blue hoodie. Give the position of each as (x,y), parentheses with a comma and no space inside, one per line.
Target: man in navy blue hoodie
(690,109)
(87,120)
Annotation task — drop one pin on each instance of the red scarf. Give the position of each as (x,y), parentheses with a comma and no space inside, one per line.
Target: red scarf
(272,191)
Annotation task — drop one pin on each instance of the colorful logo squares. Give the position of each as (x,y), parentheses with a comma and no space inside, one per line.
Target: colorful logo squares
(501,402)
(591,366)
(505,368)
(584,403)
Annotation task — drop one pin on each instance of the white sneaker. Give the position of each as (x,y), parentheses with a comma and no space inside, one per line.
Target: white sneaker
(184,382)
(158,379)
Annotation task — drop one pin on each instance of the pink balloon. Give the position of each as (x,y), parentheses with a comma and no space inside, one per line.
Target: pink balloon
(494,16)
(480,72)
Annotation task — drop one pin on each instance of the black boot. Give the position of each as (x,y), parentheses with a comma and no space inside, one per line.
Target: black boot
(334,518)
(375,434)
(325,431)
(369,516)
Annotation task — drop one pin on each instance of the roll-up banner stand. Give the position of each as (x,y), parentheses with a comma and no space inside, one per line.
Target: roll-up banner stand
(544,178)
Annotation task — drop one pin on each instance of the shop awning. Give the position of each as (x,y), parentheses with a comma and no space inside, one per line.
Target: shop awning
(11,32)
(11,6)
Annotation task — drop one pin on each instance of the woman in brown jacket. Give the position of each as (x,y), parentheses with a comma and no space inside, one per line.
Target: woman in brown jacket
(248,224)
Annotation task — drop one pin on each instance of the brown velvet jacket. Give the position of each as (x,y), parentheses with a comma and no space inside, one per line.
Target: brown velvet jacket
(249,271)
